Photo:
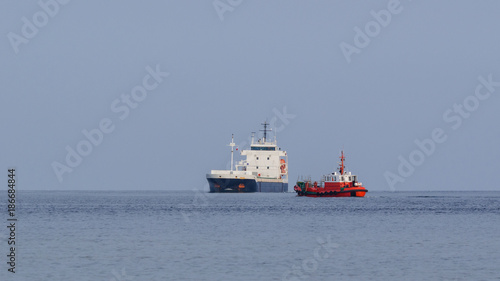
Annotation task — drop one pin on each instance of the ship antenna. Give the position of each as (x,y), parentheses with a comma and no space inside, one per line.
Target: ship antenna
(265,130)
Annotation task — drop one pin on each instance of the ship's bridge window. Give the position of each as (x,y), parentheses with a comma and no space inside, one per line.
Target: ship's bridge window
(263,148)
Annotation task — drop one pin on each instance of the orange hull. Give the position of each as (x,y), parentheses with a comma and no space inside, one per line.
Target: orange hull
(357,191)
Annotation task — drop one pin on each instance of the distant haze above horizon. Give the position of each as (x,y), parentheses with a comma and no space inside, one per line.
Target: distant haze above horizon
(128,95)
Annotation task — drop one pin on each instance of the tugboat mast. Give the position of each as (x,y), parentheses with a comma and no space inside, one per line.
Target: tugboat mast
(342,159)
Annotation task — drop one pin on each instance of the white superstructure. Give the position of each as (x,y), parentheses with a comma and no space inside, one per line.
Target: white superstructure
(265,160)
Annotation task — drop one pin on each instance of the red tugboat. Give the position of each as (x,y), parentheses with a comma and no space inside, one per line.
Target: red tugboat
(336,184)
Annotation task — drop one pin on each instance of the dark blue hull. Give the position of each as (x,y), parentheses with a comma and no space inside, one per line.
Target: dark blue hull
(245,185)
(232,185)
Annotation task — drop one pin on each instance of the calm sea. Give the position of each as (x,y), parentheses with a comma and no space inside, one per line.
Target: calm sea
(119,236)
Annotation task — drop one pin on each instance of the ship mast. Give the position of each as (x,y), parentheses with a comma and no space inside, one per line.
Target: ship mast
(342,167)
(232,145)
(265,130)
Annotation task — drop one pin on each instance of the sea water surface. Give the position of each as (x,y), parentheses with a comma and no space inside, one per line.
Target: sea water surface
(168,235)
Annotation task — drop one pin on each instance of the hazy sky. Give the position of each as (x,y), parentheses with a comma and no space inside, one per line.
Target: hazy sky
(372,77)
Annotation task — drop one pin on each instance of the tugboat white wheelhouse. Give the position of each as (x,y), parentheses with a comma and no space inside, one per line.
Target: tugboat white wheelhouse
(264,169)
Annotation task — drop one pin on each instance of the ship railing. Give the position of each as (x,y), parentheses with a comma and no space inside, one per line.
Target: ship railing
(225,172)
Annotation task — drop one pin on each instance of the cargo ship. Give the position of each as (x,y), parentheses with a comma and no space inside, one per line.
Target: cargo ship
(337,184)
(264,168)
